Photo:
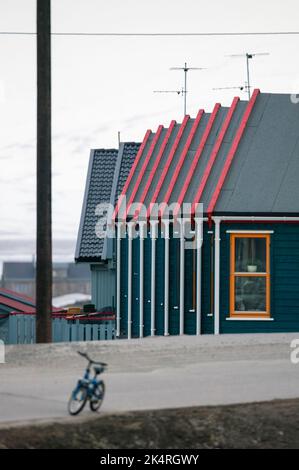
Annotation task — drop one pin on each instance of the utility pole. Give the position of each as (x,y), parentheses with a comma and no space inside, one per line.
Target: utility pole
(184,91)
(44,194)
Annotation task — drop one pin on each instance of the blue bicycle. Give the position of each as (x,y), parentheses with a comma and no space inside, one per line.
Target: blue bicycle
(88,388)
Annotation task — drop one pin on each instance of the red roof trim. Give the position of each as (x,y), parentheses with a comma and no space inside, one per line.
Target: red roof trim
(132,171)
(17,301)
(182,157)
(168,163)
(62,313)
(143,168)
(15,304)
(155,166)
(214,152)
(16,296)
(197,155)
(232,151)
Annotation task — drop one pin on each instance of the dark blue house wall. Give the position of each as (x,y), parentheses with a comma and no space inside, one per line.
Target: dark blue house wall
(284,268)
(284,258)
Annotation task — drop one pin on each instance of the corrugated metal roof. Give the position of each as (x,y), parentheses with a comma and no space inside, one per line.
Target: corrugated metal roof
(244,159)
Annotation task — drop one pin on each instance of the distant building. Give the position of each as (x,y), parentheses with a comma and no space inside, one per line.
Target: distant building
(68,278)
(19,277)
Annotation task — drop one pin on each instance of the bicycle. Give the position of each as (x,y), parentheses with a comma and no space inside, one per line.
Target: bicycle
(88,388)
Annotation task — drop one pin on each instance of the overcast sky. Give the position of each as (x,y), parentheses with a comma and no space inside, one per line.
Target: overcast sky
(103,85)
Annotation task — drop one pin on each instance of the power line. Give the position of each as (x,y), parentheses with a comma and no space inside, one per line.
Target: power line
(160,34)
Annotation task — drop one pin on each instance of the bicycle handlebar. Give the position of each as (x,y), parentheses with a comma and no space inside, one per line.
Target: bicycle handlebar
(91,361)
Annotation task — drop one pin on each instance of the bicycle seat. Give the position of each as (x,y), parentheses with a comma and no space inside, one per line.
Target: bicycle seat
(99,369)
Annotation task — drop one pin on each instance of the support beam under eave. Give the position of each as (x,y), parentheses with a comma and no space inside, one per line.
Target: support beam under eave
(166,276)
(130,276)
(198,247)
(118,276)
(182,275)
(154,236)
(217,222)
(142,235)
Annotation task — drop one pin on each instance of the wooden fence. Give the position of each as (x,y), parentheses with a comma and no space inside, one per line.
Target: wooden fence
(21,330)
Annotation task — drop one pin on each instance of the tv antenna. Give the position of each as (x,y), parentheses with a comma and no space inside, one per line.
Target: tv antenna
(248,56)
(170,91)
(184,89)
(241,88)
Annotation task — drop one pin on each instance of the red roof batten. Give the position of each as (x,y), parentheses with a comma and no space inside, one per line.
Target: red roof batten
(143,168)
(209,167)
(197,156)
(168,163)
(182,158)
(154,168)
(232,152)
(215,152)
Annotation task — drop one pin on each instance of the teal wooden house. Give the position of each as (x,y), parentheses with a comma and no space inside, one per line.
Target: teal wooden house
(234,267)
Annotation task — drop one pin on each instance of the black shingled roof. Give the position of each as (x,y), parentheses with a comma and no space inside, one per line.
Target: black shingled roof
(107,173)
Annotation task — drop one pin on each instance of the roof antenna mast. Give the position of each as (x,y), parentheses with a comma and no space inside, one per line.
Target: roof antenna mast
(184,90)
(248,56)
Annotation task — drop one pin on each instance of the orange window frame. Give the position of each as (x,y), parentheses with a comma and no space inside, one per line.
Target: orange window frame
(234,274)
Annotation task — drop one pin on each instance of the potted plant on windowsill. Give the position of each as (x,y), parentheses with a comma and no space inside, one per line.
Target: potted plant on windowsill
(254,266)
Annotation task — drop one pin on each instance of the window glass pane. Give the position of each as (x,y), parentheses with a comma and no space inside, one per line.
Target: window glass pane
(250,255)
(250,294)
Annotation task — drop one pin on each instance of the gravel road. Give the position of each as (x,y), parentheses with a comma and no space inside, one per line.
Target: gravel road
(152,373)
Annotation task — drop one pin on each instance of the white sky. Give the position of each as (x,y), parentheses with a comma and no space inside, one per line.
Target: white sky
(105,85)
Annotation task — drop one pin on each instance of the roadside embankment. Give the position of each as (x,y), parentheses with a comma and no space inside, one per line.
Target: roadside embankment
(273,424)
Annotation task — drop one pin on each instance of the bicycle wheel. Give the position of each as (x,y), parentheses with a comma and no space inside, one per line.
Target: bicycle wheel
(98,397)
(77,401)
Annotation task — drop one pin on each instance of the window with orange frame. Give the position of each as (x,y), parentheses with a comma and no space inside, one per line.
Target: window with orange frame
(250,275)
